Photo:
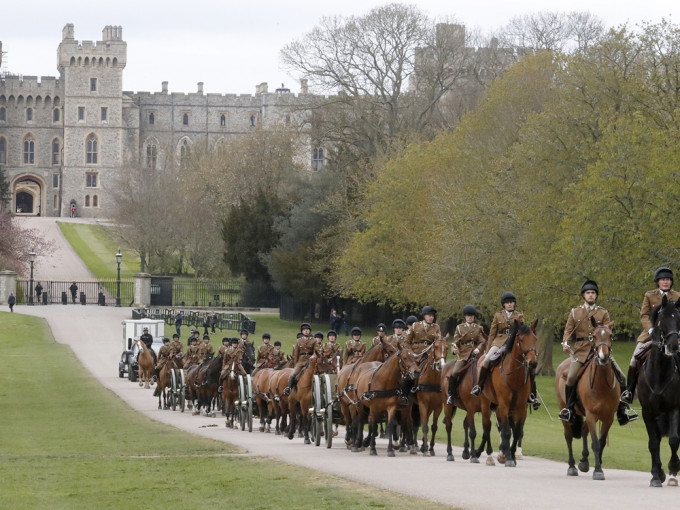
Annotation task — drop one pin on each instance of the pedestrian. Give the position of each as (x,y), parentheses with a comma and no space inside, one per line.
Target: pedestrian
(345,322)
(38,291)
(11,301)
(74,290)
(333,318)
(206,322)
(213,321)
(178,321)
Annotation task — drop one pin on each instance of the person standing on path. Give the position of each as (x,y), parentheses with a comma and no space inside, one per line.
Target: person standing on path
(11,301)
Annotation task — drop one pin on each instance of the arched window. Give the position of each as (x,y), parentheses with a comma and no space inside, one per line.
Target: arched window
(151,155)
(91,149)
(95,201)
(185,119)
(55,115)
(3,113)
(152,118)
(3,151)
(56,153)
(318,159)
(223,120)
(29,114)
(252,120)
(29,151)
(87,200)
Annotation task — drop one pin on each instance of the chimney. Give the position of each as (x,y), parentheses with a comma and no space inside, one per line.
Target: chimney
(164,87)
(304,88)
(262,88)
(68,31)
(200,87)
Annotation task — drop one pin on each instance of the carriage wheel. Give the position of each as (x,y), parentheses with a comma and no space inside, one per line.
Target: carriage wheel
(249,397)
(241,402)
(182,390)
(132,373)
(317,405)
(173,389)
(328,416)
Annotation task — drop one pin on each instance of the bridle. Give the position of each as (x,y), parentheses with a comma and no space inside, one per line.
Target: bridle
(606,336)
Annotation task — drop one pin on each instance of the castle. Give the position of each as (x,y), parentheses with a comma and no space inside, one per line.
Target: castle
(64,140)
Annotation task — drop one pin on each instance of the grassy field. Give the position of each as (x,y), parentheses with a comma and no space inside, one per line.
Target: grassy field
(69,443)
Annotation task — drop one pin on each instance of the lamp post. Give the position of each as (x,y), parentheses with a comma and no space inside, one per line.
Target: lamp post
(31,258)
(119,257)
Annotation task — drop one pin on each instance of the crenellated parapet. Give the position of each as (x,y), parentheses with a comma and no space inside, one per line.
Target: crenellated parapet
(110,52)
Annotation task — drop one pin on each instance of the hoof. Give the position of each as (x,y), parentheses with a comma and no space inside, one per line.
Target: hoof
(450,458)
(654,482)
(373,452)
(598,475)
(413,451)
(307,441)
(583,467)
(474,460)
(672,481)
(390,453)
(518,454)
(277,433)
(500,458)
(490,461)
(355,449)
(431,453)
(261,429)
(466,454)
(572,471)
(510,463)
(402,449)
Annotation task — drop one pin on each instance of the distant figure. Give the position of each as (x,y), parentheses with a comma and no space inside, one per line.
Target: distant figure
(11,301)
(38,291)
(74,290)
(73,211)
(178,321)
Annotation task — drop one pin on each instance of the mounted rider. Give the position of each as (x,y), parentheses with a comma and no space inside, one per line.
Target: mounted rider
(580,327)
(495,346)
(397,338)
(164,354)
(421,336)
(277,355)
(663,277)
(226,343)
(205,350)
(191,357)
(176,346)
(231,357)
(194,334)
(148,341)
(410,321)
(468,340)
(354,348)
(265,350)
(332,351)
(381,329)
(305,346)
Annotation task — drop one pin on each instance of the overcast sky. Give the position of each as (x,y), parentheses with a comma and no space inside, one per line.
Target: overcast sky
(233,45)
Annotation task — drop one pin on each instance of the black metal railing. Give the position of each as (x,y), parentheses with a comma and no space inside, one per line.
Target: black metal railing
(93,292)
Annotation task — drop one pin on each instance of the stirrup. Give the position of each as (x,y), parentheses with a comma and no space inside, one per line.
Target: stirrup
(476,391)
(626,397)
(449,400)
(625,416)
(565,414)
(286,392)
(535,403)
(403,401)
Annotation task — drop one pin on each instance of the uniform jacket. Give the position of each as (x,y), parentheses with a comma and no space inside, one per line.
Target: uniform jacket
(652,298)
(264,351)
(421,335)
(467,338)
(376,340)
(579,328)
(304,348)
(396,341)
(176,347)
(353,351)
(500,327)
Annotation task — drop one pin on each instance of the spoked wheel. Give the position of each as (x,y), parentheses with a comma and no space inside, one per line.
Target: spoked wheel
(249,398)
(182,390)
(317,405)
(242,412)
(328,407)
(173,390)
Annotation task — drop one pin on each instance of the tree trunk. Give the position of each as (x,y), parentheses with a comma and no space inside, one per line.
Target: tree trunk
(544,334)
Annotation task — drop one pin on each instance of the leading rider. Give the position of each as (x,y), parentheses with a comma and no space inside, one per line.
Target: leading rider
(468,341)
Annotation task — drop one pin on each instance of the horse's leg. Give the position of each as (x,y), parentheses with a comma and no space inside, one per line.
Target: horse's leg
(358,426)
(584,464)
(422,410)
(674,442)
(517,428)
(569,438)
(486,435)
(435,420)
(391,425)
(595,444)
(306,420)
(471,431)
(506,431)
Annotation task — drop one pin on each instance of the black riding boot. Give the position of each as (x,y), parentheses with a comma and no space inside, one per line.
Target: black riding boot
(406,387)
(567,413)
(291,385)
(629,392)
(453,385)
(533,400)
(479,387)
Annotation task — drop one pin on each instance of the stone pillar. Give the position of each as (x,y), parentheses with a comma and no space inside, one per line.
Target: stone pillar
(8,283)
(142,290)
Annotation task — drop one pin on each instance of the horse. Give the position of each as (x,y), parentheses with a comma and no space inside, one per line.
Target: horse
(346,392)
(463,400)
(278,401)
(659,390)
(428,390)
(145,364)
(598,391)
(300,398)
(206,383)
(261,377)
(163,382)
(379,386)
(248,358)
(229,391)
(507,389)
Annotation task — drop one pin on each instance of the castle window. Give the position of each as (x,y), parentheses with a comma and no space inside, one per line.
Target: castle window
(55,180)
(184,154)
(87,200)
(29,151)
(91,150)
(152,118)
(29,114)
(252,120)
(223,120)
(81,113)
(3,151)
(105,113)
(318,160)
(54,202)
(91,180)
(56,153)
(55,115)
(93,84)
(185,119)
(151,156)
(3,113)
(95,201)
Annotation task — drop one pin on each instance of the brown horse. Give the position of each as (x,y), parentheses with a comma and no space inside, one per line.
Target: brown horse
(163,382)
(300,398)
(347,392)
(145,364)
(468,403)
(379,386)
(508,388)
(278,401)
(261,377)
(598,391)
(229,391)
(428,390)
(206,384)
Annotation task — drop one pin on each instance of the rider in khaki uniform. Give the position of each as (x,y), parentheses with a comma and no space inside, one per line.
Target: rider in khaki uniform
(663,277)
(354,348)
(422,334)
(231,356)
(205,350)
(176,346)
(164,354)
(579,326)
(396,340)
(303,349)
(332,351)
(468,340)
(264,350)
(277,355)
(226,343)
(192,353)
(381,329)
(498,334)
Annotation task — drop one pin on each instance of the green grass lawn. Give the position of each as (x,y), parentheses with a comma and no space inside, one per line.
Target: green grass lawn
(67,442)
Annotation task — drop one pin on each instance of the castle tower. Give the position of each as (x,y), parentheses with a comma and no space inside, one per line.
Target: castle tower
(92,77)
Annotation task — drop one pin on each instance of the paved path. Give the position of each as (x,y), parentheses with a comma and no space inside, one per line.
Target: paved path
(95,335)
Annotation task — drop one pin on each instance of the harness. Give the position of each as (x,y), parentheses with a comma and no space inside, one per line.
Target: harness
(371,394)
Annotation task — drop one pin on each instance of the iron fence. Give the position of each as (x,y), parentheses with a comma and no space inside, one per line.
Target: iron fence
(203,292)
(93,292)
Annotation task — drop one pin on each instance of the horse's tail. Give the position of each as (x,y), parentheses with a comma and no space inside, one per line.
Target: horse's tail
(577,426)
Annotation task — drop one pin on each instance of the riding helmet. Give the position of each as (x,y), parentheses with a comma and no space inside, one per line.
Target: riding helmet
(356,331)
(331,332)
(381,327)
(428,309)
(244,331)
(266,335)
(411,319)
(318,334)
(469,310)
(304,325)
(663,272)
(234,340)
(175,335)
(166,340)
(508,297)
(277,343)
(590,285)
(226,339)
(398,323)
(206,336)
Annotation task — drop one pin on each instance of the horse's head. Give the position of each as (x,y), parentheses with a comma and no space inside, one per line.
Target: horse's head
(386,348)
(666,321)
(408,363)
(232,370)
(524,339)
(602,341)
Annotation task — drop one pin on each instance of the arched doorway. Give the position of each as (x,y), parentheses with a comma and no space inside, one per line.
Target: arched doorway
(28,196)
